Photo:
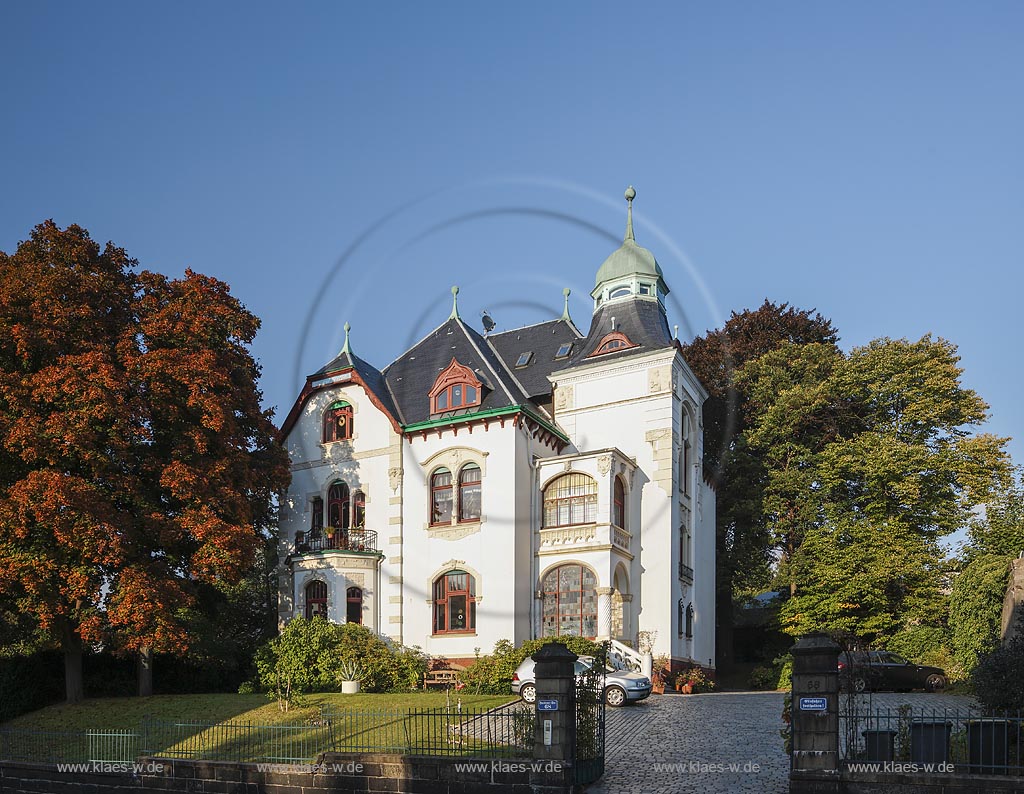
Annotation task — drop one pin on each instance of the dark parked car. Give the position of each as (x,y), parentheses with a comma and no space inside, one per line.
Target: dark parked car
(866,670)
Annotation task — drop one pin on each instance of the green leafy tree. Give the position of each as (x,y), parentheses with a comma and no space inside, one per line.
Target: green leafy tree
(871,463)
(975,607)
(738,472)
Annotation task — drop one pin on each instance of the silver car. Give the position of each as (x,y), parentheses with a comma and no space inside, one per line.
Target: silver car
(620,686)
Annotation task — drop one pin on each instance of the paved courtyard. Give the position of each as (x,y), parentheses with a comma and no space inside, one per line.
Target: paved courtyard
(719,742)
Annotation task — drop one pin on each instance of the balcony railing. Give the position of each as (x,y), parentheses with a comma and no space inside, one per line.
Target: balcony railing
(686,573)
(348,540)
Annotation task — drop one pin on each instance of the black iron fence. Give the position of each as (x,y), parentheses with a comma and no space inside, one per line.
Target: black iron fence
(931,739)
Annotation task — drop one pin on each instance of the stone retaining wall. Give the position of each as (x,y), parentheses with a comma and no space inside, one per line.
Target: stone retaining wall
(333,774)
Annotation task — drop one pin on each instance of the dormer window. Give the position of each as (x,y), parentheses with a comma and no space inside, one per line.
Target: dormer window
(613,342)
(338,422)
(455,388)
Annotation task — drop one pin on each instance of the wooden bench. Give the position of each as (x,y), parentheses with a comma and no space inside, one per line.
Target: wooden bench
(441,678)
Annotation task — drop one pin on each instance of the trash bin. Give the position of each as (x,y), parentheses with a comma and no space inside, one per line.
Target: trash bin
(988,744)
(878,745)
(929,742)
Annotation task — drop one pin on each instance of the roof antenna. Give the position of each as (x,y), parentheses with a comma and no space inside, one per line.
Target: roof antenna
(488,321)
(565,311)
(455,305)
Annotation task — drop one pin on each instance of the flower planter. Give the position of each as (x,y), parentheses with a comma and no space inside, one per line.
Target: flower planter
(349,687)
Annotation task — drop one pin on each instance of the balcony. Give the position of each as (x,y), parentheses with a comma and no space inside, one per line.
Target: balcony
(685,573)
(349,541)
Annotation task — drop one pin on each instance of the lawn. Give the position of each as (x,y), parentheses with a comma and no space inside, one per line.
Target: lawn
(251,728)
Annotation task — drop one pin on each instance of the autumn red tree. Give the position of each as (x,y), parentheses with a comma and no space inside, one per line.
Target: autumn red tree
(744,541)
(135,460)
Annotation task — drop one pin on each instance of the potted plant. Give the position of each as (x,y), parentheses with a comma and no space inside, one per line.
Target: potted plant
(349,672)
(694,680)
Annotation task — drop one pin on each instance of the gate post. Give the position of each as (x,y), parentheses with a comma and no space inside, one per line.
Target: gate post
(814,762)
(555,737)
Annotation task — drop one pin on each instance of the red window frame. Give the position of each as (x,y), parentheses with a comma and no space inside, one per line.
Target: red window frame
(316,520)
(354,605)
(467,487)
(358,510)
(337,423)
(456,387)
(316,599)
(441,493)
(619,503)
(338,505)
(613,342)
(454,602)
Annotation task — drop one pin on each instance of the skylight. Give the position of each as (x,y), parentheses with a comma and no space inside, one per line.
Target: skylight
(563,350)
(524,358)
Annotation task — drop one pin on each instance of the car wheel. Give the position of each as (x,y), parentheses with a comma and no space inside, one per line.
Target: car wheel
(614,696)
(859,683)
(528,693)
(935,683)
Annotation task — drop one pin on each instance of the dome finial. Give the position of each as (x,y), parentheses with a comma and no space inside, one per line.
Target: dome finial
(346,348)
(455,305)
(630,195)
(565,310)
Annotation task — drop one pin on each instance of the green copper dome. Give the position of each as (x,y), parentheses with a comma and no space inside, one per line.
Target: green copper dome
(629,259)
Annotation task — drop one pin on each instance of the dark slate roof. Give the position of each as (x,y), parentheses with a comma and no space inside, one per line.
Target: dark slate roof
(411,375)
(372,377)
(642,321)
(543,340)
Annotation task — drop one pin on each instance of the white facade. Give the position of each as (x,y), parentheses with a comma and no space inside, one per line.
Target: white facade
(626,413)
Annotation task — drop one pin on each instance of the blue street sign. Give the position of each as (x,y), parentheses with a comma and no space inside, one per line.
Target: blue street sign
(813,704)
(547,705)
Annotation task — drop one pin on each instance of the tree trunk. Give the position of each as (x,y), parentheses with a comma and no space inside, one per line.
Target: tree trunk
(74,688)
(145,672)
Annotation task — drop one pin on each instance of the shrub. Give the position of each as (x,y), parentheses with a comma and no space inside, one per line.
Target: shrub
(762,677)
(998,677)
(783,669)
(309,656)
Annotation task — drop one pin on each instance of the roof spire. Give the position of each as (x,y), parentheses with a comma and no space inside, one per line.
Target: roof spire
(565,311)
(455,305)
(630,195)
(346,348)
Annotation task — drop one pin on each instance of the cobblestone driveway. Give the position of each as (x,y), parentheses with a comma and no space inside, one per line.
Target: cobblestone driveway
(686,743)
(683,743)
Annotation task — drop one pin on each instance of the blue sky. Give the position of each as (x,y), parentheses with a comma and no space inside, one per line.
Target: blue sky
(343,161)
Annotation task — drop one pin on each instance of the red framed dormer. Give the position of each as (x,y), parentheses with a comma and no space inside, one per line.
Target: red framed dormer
(612,343)
(457,387)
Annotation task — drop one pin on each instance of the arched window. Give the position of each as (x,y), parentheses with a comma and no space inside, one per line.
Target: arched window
(619,503)
(689,620)
(316,522)
(454,603)
(469,493)
(441,497)
(358,510)
(684,455)
(338,506)
(354,605)
(316,600)
(570,601)
(456,387)
(570,499)
(616,340)
(679,617)
(338,422)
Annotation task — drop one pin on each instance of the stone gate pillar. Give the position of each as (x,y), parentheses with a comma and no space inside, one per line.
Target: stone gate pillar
(555,737)
(815,716)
